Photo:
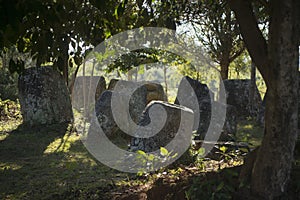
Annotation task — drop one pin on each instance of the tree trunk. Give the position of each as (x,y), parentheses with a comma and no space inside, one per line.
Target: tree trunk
(65,63)
(279,66)
(272,167)
(130,75)
(165,80)
(72,82)
(66,71)
(252,89)
(224,64)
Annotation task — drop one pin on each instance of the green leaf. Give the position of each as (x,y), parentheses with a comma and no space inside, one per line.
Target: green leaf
(141,70)
(140,152)
(223,149)
(164,151)
(107,33)
(175,155)
(201,151)
(151,157)
(116,12)
(140,173)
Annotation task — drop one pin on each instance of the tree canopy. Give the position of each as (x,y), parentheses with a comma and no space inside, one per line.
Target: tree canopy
(53,31)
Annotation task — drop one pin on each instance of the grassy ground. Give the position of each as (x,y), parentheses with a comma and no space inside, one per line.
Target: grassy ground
(250,132)
(52,163)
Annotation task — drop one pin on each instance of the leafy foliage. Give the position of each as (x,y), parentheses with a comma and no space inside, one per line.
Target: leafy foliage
(150,160)
(10,115)
(9,110)
(52,30)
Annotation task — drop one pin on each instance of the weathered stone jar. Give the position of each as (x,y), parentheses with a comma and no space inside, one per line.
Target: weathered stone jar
(44,97)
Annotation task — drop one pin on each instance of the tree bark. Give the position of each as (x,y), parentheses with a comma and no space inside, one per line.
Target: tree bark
(252,88)
(279,66)
(72,82)
(65,63)
(224,64)
(165,80)
(252,36)
(66,70)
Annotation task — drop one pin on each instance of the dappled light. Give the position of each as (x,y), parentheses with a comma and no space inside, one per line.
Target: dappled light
(149,99)
(61,144)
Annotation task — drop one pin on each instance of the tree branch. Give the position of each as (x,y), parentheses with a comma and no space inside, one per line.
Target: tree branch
(237,54)
(253,37)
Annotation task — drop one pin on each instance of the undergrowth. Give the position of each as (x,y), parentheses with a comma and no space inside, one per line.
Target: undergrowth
(52,163)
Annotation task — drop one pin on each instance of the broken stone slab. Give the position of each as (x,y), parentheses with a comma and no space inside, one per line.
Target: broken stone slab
(238,95)
(44,97)
(200,90)
(177,119)
(197,97)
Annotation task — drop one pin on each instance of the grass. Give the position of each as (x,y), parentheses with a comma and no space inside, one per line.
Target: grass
(51,163)
(250,132)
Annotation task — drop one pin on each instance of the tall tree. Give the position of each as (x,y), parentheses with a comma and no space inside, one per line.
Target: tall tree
(216,28)
(277,60)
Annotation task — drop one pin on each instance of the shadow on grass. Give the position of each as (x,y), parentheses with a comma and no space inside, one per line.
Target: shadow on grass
(51,163)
